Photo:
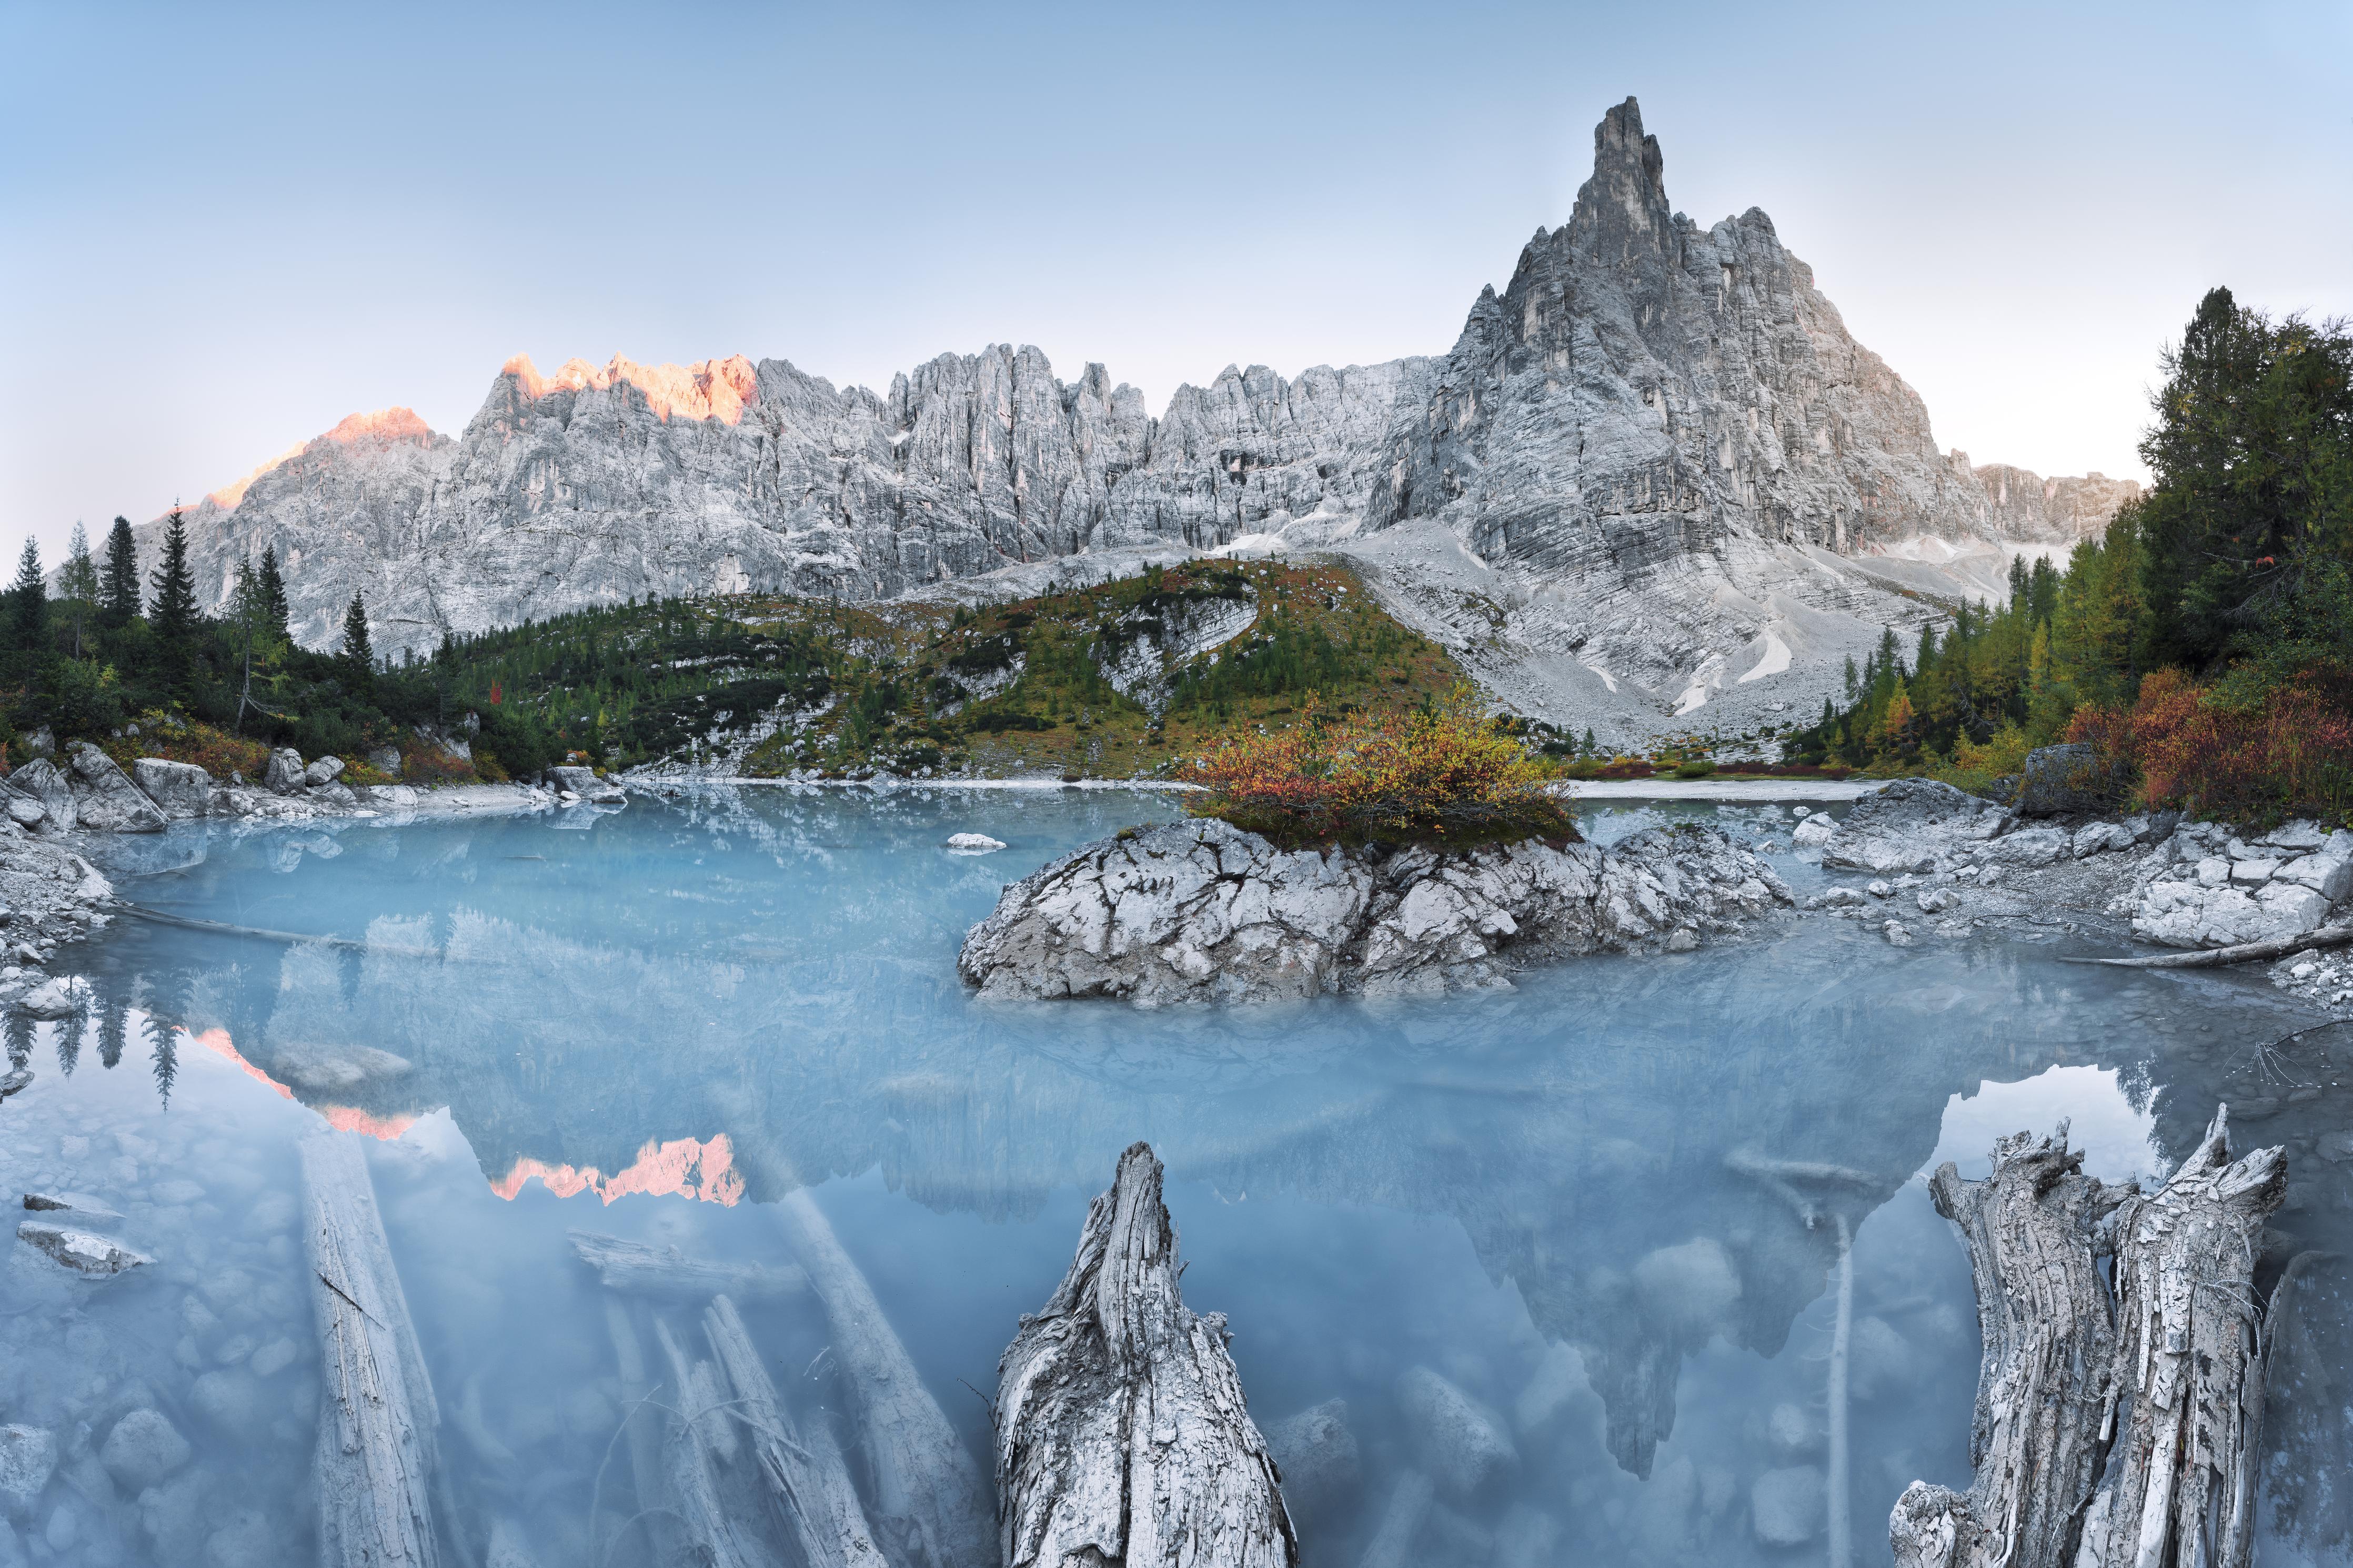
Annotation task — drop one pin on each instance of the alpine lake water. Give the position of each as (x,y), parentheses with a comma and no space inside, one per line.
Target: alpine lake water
(653,1023)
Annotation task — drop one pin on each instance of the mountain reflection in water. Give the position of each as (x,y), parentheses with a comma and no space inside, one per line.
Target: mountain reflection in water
(1551,1196)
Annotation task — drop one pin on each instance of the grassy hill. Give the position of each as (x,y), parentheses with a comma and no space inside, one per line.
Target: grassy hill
(777,684)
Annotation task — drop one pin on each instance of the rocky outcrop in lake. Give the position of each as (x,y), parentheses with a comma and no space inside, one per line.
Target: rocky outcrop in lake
(1656,463)
(1202,911)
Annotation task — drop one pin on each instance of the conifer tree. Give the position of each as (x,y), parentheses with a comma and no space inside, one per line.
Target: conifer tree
(275,611)
(359,658)
(79,583)
(173,611)
(28,601)
(118,592)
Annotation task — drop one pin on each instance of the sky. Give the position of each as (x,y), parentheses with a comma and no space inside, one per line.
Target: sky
(223,227)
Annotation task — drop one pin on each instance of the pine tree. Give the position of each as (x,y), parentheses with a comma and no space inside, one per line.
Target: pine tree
(118,592)
(28,601)
(174,613)
(359,658)
(1852,684)
(79,583)
(276,612)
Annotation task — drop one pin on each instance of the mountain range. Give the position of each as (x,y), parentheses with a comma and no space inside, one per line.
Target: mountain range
(1654,485)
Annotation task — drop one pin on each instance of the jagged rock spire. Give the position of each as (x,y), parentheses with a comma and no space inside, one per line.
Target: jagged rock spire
(1624,205)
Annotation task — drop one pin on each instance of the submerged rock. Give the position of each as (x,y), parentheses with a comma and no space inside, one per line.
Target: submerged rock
(28,1458)
(92,1257)
(143,1449)
(1201,911)
(1460,1447)
(1786,1506)
(1317,1455)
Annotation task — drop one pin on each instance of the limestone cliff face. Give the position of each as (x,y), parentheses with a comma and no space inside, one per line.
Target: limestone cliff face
(596,483)
(1667,474)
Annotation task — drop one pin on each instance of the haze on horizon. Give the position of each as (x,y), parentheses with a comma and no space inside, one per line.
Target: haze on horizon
(230,228)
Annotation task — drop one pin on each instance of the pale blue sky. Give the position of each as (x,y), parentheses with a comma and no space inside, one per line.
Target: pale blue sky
(225,226)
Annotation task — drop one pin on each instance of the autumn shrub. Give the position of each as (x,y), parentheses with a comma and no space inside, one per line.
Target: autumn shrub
(216,751)
(421,763)
(1447,774)
(2289,749)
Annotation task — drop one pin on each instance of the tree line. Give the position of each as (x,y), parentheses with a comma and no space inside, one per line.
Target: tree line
(2205,642)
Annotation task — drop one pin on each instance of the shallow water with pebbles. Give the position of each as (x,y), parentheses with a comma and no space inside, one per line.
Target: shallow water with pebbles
(1517,1235)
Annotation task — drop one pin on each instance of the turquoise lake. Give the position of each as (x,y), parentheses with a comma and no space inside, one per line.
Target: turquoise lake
(653,1023)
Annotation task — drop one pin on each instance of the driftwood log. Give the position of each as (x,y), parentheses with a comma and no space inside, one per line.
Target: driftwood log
(1122,1432)
(2244,953)
(638,1268)
(927,1502)
(373,1466)
(2115,1428)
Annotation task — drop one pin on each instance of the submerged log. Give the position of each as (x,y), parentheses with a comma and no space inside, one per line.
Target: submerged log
(373,1465)
(719,1536)
(639,1268)
(2112,1428)
(808,1485)
(926,1500)
(1122,1432)
(641,1425)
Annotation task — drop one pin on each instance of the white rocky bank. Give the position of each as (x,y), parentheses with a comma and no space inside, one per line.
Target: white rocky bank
(1202,911)
(2180,884)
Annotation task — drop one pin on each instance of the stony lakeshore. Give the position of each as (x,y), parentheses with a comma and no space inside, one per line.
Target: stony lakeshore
(1202,911)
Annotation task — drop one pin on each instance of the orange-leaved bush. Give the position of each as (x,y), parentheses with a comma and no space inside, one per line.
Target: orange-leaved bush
(2290,751)
(1446,774)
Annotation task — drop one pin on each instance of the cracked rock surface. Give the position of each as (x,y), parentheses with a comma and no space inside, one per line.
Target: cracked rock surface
(1202,911)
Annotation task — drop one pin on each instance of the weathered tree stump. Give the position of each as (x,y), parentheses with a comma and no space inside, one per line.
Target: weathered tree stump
(2113,1427)
(373,1463)
(1122,1432)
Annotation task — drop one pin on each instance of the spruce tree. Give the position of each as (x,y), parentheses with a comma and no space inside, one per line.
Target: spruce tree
(118,591)
(359,658)
(275,610)
(173,611)
(28,601)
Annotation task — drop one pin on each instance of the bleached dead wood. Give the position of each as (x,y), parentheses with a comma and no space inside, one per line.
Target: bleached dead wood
(2189,1351)
(1122,1432)
(2112,1428)
(376,1456)
(642,1269)
(642,1429)
(924,1495)
(722,1531)
(808,1484)
(2244,953)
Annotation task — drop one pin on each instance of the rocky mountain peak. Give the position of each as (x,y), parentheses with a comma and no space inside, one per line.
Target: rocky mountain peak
(1623,206)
